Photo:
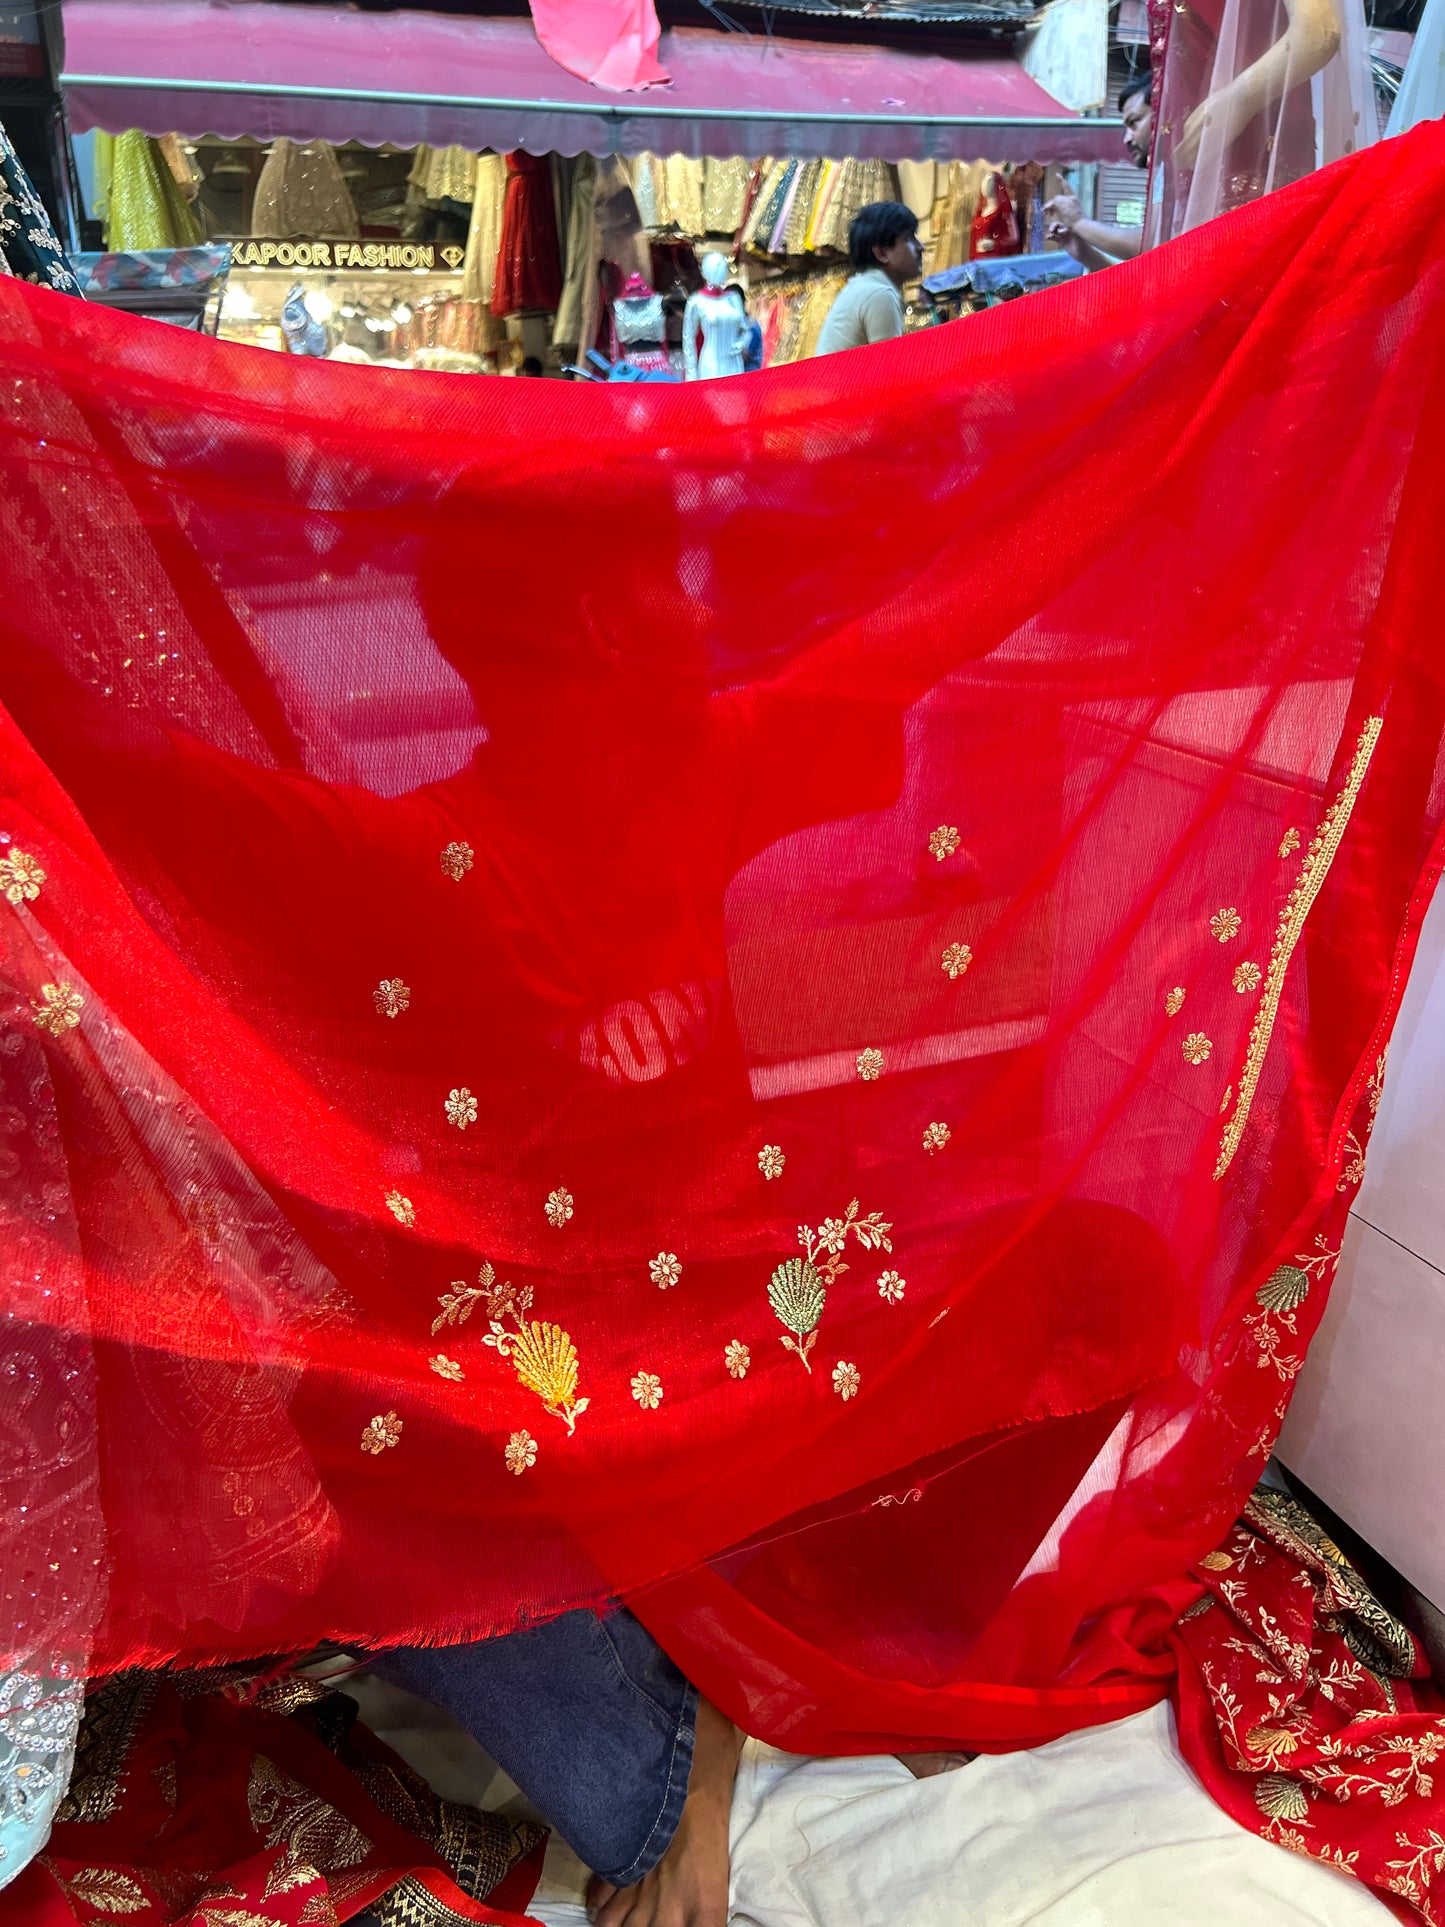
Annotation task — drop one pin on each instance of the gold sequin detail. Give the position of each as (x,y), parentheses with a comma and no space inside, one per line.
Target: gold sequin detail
(1174,1001)
(935,1136)
(956,959)
(383,1431)
(558,1207)
(391,997)
(846,1380)
(870,1065)
(521,1453)
(457,859)
(665,1269)
(738,1357)
(1226,924)
(1196,1047)
(1324,845)
(57,1008)
(1247,977)
(445,1367)
(1289,842)
(402,1209)
(943,842)
(461,1107)
(21,876)
(771,1160)
(647,1390)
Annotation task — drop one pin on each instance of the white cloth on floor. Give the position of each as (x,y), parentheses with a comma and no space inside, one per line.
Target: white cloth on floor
(1107,1828)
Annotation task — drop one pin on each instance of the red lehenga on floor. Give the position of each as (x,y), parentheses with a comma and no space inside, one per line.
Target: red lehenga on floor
(599,1002)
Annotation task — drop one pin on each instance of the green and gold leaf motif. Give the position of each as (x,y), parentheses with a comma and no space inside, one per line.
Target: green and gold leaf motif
(797,1295)
(1283,1289)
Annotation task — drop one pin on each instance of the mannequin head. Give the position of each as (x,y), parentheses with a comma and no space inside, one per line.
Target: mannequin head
(715,271)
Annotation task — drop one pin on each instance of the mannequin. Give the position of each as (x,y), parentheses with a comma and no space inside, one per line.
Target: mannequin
(995,230)
(714,325)
(639,327)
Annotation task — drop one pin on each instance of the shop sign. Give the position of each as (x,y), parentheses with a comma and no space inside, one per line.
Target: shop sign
(351,256)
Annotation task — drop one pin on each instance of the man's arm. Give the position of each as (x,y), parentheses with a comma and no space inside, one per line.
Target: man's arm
(1067,220)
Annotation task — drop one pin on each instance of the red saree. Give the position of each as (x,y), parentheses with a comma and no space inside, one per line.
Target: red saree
(599,1002)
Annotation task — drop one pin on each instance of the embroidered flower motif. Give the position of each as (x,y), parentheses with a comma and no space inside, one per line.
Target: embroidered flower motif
(832,1234)
(1247,977)
(1280,1798)
(558,1207)
(20,877)
(402,1209)
(461,1108)
(383,1431)
(956,959)
(1271,1741)
(391,997)
(891,1287)
(521,1453)
(647,1390)
(771,1160)
(737,1358)
(665,1269)
(1174,1001)
(870,1065)
(935,1136)
(445,1367)
(57,1008)
(943,842)
(846,1380)
(1226,924)
(457,859)
(1196,1047)
(1289,842)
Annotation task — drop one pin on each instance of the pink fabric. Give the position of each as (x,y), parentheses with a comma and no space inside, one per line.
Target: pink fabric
(611,43)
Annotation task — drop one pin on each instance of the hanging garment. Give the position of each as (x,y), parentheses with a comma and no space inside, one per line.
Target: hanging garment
(430,1021)
(683,178)
(29,248)
(301,191)
(794,232)
(1422,89)
(449,174)
(583,255)
(1223,136)
(611,43)
(995,230)
(724,195)
(529,266)
(144,206)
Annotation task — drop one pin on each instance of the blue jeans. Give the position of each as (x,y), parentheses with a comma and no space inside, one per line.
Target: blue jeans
(590,1718)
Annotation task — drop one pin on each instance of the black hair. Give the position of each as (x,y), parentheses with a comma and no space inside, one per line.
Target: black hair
(530,366)
(1141,84)
(877,226)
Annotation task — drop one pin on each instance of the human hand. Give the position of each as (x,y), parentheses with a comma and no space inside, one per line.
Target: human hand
(1186,148)
(1065,211)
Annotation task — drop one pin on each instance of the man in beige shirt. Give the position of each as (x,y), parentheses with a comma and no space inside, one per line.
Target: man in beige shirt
(884,251)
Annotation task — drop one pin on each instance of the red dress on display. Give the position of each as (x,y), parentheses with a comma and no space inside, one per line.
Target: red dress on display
(529,261)
(995,229)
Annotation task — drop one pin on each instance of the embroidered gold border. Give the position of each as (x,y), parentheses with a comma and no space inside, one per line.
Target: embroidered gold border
(1321,853)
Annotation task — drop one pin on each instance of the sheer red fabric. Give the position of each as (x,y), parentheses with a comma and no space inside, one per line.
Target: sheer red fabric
(612,993)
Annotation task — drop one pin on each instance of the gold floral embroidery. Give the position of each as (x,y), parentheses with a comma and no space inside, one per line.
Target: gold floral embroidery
(1273,1742)
(1412,1878)
(458,1304)
(445,1367)
(1226,924)
(1280,1798)
(21,876)
(647,1390)
(798,1289)
(1284,1290)
(521,1452)
(1196,1047)
(870,1065)
(956,959)
(314,1833)
(457,859)
(391,997)
(935,1136)
(1353,1170)
(1174,1001)
(665,1269)
(383,1431)
(944,841)
(891,1287)
(1216,1562)
(105,1890)
(461,1107)
(558,1207)
(738,1357)
(1324,845)
(1289,842)
(771,1161)
(846,1380)
(401,1208)
(1226,1100)
(542,1355)
(57,1008)
(1247,977)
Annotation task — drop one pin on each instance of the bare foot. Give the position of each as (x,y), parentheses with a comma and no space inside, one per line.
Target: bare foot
(923,1766)
(689,1885)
